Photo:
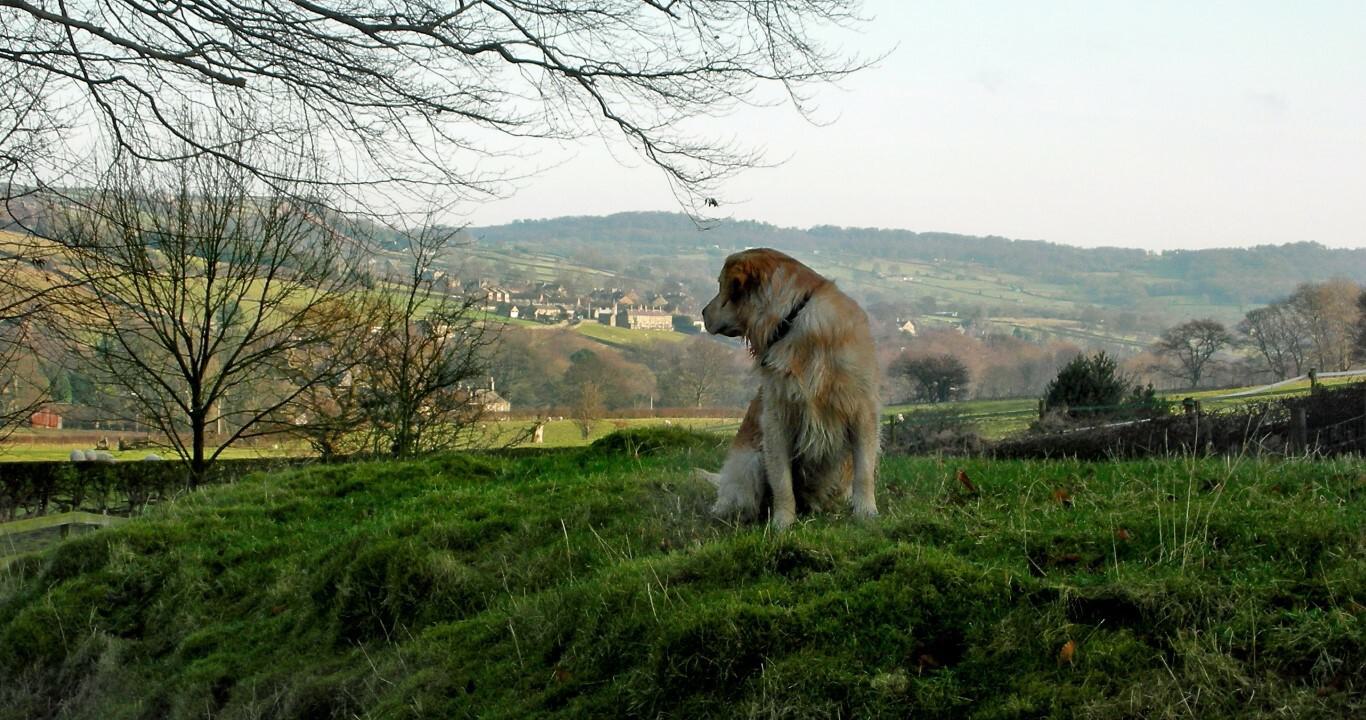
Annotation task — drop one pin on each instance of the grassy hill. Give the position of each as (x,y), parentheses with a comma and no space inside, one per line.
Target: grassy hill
(590,583)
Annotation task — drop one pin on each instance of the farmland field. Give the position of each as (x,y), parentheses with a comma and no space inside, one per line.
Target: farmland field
(625,337)
(994,419)
(36,445)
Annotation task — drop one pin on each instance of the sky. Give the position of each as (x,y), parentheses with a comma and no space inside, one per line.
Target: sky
(1156,124)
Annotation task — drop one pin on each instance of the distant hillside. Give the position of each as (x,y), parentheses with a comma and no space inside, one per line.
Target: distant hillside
(1113,298)
(1105,276)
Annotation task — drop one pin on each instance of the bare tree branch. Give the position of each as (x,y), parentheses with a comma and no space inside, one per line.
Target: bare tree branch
(427,365)
(412,93)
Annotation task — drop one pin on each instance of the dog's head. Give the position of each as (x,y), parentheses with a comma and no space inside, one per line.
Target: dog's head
(755,289)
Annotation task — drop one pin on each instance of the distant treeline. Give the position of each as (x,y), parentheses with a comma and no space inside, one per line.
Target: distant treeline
(1226,276)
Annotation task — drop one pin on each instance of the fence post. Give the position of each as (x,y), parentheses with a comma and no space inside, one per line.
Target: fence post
(1299,430)
(1361,436)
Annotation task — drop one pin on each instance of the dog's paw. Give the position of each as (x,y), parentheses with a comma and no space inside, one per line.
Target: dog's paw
(782,520)
(864,508)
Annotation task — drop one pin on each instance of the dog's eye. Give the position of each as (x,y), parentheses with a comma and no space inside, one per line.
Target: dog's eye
(736,287)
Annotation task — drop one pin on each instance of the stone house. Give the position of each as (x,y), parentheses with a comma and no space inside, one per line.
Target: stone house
(546,313)
(644,319)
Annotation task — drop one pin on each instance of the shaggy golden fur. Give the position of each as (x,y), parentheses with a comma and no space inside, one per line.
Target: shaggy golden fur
(810,436)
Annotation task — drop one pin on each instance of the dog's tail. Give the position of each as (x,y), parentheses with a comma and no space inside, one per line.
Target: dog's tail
(711,477)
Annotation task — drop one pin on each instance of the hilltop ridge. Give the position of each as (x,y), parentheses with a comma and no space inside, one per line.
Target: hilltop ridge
(1223,276)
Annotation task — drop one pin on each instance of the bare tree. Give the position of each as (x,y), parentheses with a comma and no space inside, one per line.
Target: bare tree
(27,282)
(407,92)
(1359,349)
(428,357)
(936,378)
(198,290)
(32,279)
(31,114)
(23,388)
(525,365)
(1192,345)
(331,413)
(702,372)
(619,382)
(1328,312)
(587,407)
(1278,337)
(28,125)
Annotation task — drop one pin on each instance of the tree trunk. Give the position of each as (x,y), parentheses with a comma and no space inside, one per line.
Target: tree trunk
(198,465)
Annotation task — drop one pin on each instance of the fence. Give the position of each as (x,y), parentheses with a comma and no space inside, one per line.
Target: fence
(31,489)
(1328,421)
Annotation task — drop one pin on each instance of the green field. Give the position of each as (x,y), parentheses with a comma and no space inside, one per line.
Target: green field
(1210,399)
(617,337)
(566,433)
(954,283)
(994,419)
(591,583)
(33,446)
(626,337)
(28,447)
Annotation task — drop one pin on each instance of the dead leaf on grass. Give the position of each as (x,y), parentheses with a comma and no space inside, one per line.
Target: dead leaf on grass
(966,482)
(1067,653)
(1062,497)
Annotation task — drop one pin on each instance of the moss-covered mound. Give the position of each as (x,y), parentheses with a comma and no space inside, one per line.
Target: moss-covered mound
(590,583)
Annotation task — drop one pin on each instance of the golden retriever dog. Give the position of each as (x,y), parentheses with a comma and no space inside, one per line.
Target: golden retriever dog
(810,437)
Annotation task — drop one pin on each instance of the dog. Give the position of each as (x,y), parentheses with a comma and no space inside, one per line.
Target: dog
(810,437)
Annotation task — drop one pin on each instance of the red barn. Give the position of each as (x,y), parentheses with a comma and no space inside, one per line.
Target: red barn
(47,419)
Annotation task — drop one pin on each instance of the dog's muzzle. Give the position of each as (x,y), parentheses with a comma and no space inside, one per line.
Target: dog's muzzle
(717,325)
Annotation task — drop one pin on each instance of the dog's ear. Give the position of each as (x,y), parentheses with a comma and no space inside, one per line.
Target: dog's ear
(744,279)
(738,288)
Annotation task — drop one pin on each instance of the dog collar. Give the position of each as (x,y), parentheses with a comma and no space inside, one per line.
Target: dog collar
(785,326)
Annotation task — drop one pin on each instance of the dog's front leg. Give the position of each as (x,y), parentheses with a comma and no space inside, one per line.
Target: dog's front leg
(866,445)
(778,467)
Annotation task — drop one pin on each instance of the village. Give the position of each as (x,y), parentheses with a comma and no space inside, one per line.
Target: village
(552,303)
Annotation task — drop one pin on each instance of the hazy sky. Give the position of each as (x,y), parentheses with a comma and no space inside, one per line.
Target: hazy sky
(1145,124)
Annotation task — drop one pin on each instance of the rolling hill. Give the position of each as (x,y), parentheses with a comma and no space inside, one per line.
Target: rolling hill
(1017,278)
